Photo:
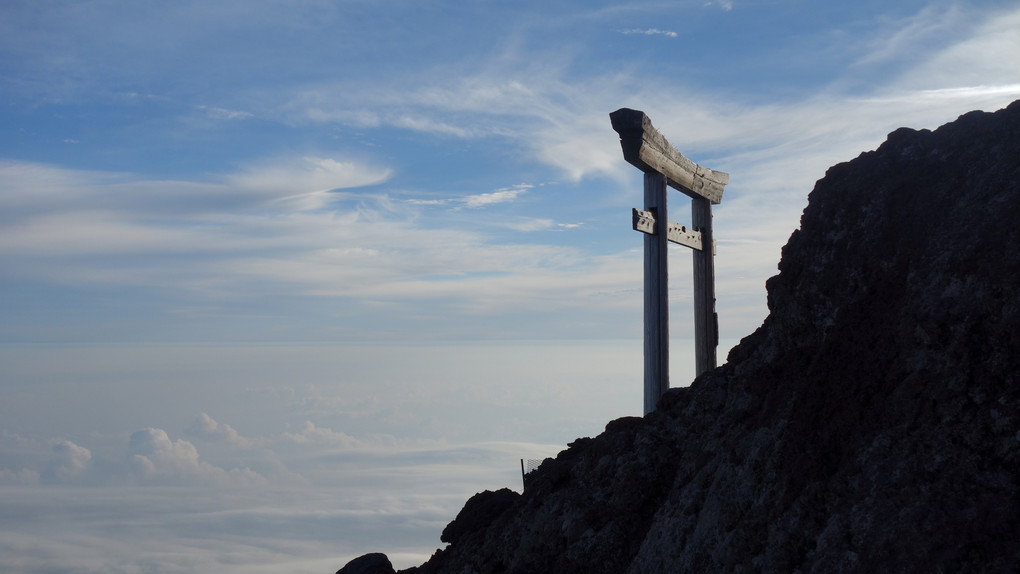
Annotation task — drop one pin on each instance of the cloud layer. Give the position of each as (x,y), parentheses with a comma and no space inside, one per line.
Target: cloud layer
(165,508)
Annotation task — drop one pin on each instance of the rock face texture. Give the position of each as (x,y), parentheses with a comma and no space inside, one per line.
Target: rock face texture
(871,424)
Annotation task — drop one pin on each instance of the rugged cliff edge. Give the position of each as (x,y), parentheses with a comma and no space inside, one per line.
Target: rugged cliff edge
(871,424)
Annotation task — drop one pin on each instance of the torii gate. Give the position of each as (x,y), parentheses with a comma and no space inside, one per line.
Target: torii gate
(648,150)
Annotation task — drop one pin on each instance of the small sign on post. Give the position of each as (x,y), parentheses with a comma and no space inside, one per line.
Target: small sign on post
(648,150)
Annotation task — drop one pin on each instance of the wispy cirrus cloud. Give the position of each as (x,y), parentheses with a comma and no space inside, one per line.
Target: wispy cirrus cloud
(563,123)
(300,182)
(530,224)
(252,238)
(982,57)
(280,222)
(474,201)
(649,32)
(225,114)
(501,196)
(305,181)
(311,434)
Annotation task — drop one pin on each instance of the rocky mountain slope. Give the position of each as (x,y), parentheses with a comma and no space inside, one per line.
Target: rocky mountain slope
(871,424)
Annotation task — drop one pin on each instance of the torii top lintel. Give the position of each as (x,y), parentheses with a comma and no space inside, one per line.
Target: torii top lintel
(648,150)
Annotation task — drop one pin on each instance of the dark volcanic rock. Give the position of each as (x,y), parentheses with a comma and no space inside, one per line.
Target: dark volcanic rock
(872,423)
(479,511)
(374,563)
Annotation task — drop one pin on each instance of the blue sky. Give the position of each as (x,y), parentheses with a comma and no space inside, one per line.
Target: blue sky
(305,250)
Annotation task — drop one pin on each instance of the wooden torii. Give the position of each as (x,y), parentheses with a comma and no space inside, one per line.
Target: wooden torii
(648,150)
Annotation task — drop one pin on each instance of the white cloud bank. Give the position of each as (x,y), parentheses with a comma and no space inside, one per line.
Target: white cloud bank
(155,459)
(31,461)
(204,427)
(71,460)
(181,513)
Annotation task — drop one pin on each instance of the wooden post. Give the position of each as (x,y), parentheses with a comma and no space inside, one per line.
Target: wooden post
(648,150)
(656,294)
(706,329)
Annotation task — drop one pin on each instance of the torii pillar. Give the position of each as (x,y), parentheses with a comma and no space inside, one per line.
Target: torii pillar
(648,150)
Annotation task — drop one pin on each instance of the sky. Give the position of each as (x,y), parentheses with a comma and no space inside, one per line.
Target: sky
(285,281)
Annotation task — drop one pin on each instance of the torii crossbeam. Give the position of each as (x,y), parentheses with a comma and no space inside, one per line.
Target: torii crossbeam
(648,150)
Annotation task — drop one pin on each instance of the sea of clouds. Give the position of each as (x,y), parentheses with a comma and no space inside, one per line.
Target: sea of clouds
(278,458)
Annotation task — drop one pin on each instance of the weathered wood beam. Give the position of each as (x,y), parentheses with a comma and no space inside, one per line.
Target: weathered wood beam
(644,221)
(684,235)
(648,150)
(706,322)
(656,296)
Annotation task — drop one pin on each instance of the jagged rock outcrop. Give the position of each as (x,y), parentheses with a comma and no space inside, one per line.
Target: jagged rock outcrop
(478,512)
(374,563)
(872,423)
